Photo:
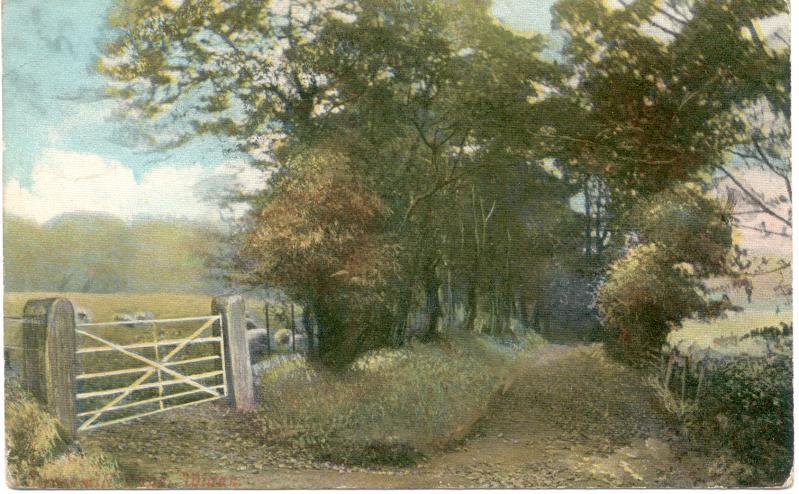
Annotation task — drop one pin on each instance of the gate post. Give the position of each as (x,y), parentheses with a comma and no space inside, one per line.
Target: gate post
(238,370)
(49,344)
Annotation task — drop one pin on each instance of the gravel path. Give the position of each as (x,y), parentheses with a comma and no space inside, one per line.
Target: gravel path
(570,418)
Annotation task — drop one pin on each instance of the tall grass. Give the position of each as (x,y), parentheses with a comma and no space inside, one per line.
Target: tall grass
(37,456)
(392,406)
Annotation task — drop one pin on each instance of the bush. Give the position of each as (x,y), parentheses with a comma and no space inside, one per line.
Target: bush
(748,408)
(739,407)
(392,406)
(319,235)
(37,456)
(643,297)
(682,238)
(32,436)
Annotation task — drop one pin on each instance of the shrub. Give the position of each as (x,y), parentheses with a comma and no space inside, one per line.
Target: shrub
(643,297)
(683,237)
(37,456)
(748,408)
(32,436)
(392,406)
(319,236)
(739,407)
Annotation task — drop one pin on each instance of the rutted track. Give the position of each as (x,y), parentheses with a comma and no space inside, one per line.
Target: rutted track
(570,418)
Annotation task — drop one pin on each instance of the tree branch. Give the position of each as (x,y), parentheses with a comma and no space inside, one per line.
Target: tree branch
(763,230)
(754,198)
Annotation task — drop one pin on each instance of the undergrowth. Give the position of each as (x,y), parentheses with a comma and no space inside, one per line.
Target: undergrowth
(37,455)
(393,406)
(738,407)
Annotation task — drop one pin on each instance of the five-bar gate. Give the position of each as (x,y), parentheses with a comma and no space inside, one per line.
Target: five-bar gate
(149,389)
(93,375)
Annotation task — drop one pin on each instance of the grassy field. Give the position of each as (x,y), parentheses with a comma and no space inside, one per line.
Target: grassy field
(768,307)
(735,325)
(104,306)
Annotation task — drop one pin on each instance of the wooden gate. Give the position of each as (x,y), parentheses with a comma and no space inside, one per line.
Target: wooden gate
(158,391)
(91,375)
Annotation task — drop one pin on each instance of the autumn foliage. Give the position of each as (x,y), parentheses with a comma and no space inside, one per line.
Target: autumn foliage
(320,237)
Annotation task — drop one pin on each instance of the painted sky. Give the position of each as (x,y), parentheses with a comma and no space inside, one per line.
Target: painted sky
(62,150)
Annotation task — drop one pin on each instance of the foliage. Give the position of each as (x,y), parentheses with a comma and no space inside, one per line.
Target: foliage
(740,403)
(464,149)
(749,408)
(99,254)
(319,238)
(663,94)
(32,435)
(661,83)
(391,406)
(683,237)
(36,454)
(416,97)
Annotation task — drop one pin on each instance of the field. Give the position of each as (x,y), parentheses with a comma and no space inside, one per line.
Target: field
(104,306)
(727,330)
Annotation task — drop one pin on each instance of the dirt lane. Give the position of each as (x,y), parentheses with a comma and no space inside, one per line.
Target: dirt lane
(570,418)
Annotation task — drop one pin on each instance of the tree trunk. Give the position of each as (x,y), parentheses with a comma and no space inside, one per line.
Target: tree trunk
(588,228)
(471,306)
(433,304)
(524,315)
(599,228)
(307,324)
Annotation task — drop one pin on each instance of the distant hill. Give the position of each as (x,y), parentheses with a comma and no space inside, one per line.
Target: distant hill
(99,253)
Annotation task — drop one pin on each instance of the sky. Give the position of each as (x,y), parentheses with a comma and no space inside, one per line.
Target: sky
(63,152)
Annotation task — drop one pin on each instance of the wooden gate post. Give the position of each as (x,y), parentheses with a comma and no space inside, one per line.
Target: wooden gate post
(49,344)
(238,370)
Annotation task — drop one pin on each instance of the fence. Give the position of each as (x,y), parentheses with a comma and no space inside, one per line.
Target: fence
(263,339)
(81,387)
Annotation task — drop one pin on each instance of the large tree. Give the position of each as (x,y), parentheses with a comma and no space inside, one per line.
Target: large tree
(428,102)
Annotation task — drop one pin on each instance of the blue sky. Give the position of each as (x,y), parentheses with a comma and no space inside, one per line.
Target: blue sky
(51,94)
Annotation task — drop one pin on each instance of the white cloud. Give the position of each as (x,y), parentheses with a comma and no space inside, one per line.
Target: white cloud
(64,181)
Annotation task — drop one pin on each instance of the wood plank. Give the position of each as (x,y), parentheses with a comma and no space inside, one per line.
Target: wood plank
(95,349)
(185,380)
(133,370)
(150,400)
(146,321)
(127,419)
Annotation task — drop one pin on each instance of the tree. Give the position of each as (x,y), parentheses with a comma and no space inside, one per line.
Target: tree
(681,237)
(419,98)
(659,104)
(319,237)
(660,88)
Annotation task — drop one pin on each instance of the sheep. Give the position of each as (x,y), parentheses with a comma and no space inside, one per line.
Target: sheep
(82,315)
(145,316)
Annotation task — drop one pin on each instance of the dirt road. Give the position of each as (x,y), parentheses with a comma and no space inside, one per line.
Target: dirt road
(570,418)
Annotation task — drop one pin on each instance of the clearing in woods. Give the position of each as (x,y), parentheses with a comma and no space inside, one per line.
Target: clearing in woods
(570,418)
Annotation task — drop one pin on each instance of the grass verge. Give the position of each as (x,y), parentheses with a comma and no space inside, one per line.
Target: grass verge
(38,457)
(392,407)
